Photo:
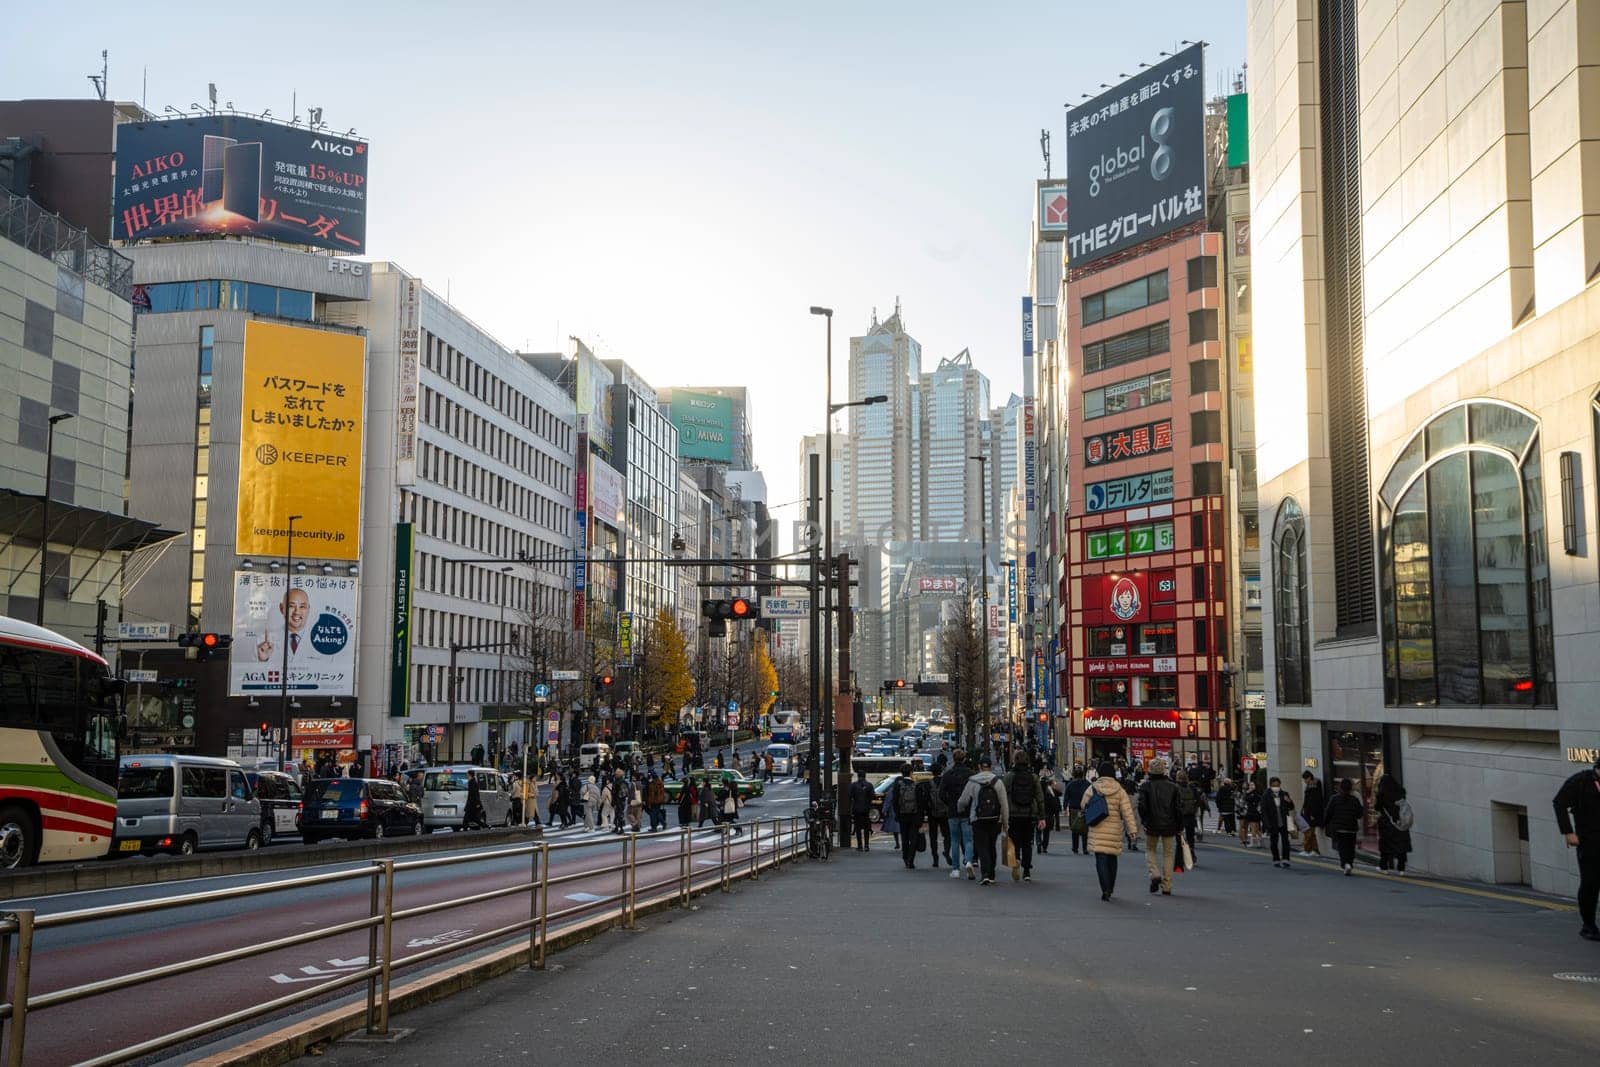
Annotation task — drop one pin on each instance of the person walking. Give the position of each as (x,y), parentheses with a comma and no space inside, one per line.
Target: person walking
(985,802)
(910,804)
(1277,809)
(1312,806)
(1250,829)
(1130,784)
(861,810)
(891,818)
(730,808)
(1052,814)
(958,852)
(1077,791)
(655,800)
(1225,808)
(1189,798)
(1394,824)
(635,797)
(938,816)
(1341,819)
(708,804)
(1025,804)
(1577,805)
(1105,837)
(686,799)
(1161,811)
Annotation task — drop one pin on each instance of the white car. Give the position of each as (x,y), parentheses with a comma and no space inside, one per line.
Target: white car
(782,758)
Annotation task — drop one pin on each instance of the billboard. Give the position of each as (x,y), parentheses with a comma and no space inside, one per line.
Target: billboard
(400,654)
(1131,442)
(593,396)
(705,425)
(407,396)
(1143,722)
(1117,598)
(322,733)
(305,620)
(1052,209)
(227,174)
(938,585)
(1136,163)
(301,415)
(1135,489)
(605,492)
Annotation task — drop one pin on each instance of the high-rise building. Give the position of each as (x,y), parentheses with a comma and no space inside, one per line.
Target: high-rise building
(1426,421)
(1003,445)
(950,408)
(1046,421)
(885,361)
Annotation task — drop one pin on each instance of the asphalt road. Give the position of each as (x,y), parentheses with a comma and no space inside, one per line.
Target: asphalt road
(78,954)
(861,959)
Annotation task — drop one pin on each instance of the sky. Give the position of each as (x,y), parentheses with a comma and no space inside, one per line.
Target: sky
(674,182)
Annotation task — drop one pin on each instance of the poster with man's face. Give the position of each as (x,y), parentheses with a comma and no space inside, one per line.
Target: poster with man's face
(305,623)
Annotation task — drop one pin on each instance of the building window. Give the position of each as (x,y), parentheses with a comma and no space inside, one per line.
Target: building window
(1156,691)
(1465,572)
(1129,296)
(1203,324)
(1130,395)
(1291,618)
(1202,273)
(1127,347)
(1108,692)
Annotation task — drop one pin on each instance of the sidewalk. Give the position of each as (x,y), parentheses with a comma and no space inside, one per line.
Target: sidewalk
(859,958)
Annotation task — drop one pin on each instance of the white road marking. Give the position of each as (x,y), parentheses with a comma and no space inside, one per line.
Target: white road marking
(584,898)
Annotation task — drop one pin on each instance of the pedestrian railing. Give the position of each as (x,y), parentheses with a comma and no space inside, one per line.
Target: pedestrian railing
(769,843)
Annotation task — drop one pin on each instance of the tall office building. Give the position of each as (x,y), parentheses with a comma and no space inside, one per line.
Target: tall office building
(1424,209)
(1003,445)
(950,408)
(878,498)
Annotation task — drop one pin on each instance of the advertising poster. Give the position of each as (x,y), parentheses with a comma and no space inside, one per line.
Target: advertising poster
(605,492)
(593,395)
(306,620)
(400,654)
(705,425)
(938,585)
(580,540)
(1136,165)
(1129,492)
(301,424)
(406,398)
(1131,442)
(227,174)
(1116,598)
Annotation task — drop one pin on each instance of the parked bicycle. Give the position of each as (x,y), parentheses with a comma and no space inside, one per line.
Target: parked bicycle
(820,829)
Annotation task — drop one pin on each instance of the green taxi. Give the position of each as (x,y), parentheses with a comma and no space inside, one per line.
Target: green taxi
(723,779)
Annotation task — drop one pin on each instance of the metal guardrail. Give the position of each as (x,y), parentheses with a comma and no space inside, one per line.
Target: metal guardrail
(49,235)
(771,843)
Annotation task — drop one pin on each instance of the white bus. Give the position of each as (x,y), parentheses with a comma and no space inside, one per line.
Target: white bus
(788,727)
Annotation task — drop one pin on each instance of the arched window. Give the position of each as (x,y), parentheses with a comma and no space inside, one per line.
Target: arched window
(1466,573)
(1291,622)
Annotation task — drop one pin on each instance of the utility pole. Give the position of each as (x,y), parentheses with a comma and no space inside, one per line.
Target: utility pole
(846,736)
(818,745)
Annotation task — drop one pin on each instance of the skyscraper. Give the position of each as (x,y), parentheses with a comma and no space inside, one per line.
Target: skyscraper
(952,403)
(878,502)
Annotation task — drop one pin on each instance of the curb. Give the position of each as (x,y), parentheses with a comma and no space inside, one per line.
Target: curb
(297,1036)
(106,874)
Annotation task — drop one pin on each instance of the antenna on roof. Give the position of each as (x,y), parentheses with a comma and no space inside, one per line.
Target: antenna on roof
(1044,146)
(103,79)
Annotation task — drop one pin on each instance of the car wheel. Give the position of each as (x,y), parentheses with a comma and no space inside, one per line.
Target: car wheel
(188,845)
(266,834)
(417,829)
(252,840)
(19,837)
(377,831)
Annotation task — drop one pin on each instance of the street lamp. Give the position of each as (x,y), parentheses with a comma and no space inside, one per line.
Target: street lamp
(983,623)
(827,552)
(283,678)
(44,519)
(500,664)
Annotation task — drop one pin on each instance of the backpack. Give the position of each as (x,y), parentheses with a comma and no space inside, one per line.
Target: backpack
(1021,792)
(1403,815)
(937,806)
(1095,810)
(987,807)
(1186,802)
(905,797)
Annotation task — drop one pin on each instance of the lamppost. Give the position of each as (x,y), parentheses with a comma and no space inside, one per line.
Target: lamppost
(983,623)
(283,675)
(44,519)
(500,663)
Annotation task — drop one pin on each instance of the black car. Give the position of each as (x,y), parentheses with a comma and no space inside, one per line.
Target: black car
(280,803)
(356,807)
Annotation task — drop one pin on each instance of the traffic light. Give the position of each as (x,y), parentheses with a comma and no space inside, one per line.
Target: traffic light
(266,729)
(891,685)
(1194,730)
(603,681)
(205,644)
(720,612)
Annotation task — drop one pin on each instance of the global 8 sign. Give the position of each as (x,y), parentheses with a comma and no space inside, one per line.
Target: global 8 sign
(1136,159)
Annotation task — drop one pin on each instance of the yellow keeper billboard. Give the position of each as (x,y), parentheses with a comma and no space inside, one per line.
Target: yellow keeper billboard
(302,417)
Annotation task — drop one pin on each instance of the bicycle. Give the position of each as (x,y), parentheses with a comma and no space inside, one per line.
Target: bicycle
(819,830)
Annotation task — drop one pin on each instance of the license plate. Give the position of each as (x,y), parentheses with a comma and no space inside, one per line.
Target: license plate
(128,846)
(444,809)
(330,815)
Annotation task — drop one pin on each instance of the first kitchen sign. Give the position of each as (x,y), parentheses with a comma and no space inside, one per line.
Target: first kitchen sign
(1137,723)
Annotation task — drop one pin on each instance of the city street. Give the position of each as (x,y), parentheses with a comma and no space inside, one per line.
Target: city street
(861,958)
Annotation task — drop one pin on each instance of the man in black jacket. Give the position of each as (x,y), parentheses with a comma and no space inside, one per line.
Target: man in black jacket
(1578,816)
(958,844)
(1160,809)
(1277,808)
(1312,806)
(861,809)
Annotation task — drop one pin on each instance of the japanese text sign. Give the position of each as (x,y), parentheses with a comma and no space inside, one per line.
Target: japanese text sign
(1132,442)
(301,416)
(1128,492)
(307,624)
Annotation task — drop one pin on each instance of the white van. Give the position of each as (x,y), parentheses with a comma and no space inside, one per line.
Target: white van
(593,754)
(627,750)
(444,797)
(782,758)
(183,804)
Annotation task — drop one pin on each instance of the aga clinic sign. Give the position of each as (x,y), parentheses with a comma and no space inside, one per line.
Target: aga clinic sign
(1136,165)
(312,616)
(301,424)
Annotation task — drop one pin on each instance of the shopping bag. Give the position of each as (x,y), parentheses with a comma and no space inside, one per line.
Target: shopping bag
(922,841)
(1011,858)
(1187,853)
(1300,821)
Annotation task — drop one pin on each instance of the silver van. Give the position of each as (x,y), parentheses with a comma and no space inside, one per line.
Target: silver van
(183,804)
(444,797)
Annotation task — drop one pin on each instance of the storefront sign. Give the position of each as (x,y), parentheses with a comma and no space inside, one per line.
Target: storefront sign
(1117,597)
(1133,442)
(1129,492)
(1139,723)
(938,585)
(1131,665)
(625,637)
(406,400)
(580,541)
(323,733)
(1118,541)
(1583,755)
(400,653)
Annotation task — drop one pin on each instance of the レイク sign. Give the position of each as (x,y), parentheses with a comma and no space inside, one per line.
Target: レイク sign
(1139,723)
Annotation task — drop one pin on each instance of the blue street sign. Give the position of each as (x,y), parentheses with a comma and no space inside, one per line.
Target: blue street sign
(541,692)
(733,705)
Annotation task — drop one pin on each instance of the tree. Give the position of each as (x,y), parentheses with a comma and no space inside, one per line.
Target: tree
(961,658)
(763,675)
(662,669)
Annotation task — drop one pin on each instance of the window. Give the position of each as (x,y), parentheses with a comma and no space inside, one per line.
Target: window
(1205,427)
(1156,691)
(1130,395)
(1130,296)
(1108,692)
(1108,640)
(1205,376)
(1291,617)
(69,294)
(1207,478)
(1465,598)
(1202,325)
(1202,273)
(1158,639)
(1127,347)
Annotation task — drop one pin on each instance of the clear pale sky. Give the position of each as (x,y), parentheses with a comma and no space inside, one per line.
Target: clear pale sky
(674,182)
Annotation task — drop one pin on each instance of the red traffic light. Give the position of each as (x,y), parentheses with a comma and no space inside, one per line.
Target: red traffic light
(606,679)
(266,728)
(208,640)
(740,608)
(899,683)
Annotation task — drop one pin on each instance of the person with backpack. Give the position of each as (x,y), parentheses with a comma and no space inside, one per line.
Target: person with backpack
(1312,805)
(1342,821)
(1577,805)
(938,815)
(861,810)
(1107,813)
(1277,812)
(1225,808)
(1161,812)
(1077,791)
(952,783)
(985,800)
(1394,824)
(910,805)
(655,801)
(1025,804)
(1052,815)
(1189,797)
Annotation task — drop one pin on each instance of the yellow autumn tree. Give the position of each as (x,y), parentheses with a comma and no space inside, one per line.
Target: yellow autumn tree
(764,675)
(664,681)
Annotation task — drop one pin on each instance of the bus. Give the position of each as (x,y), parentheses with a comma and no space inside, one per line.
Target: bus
(788,727)
(58,748)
